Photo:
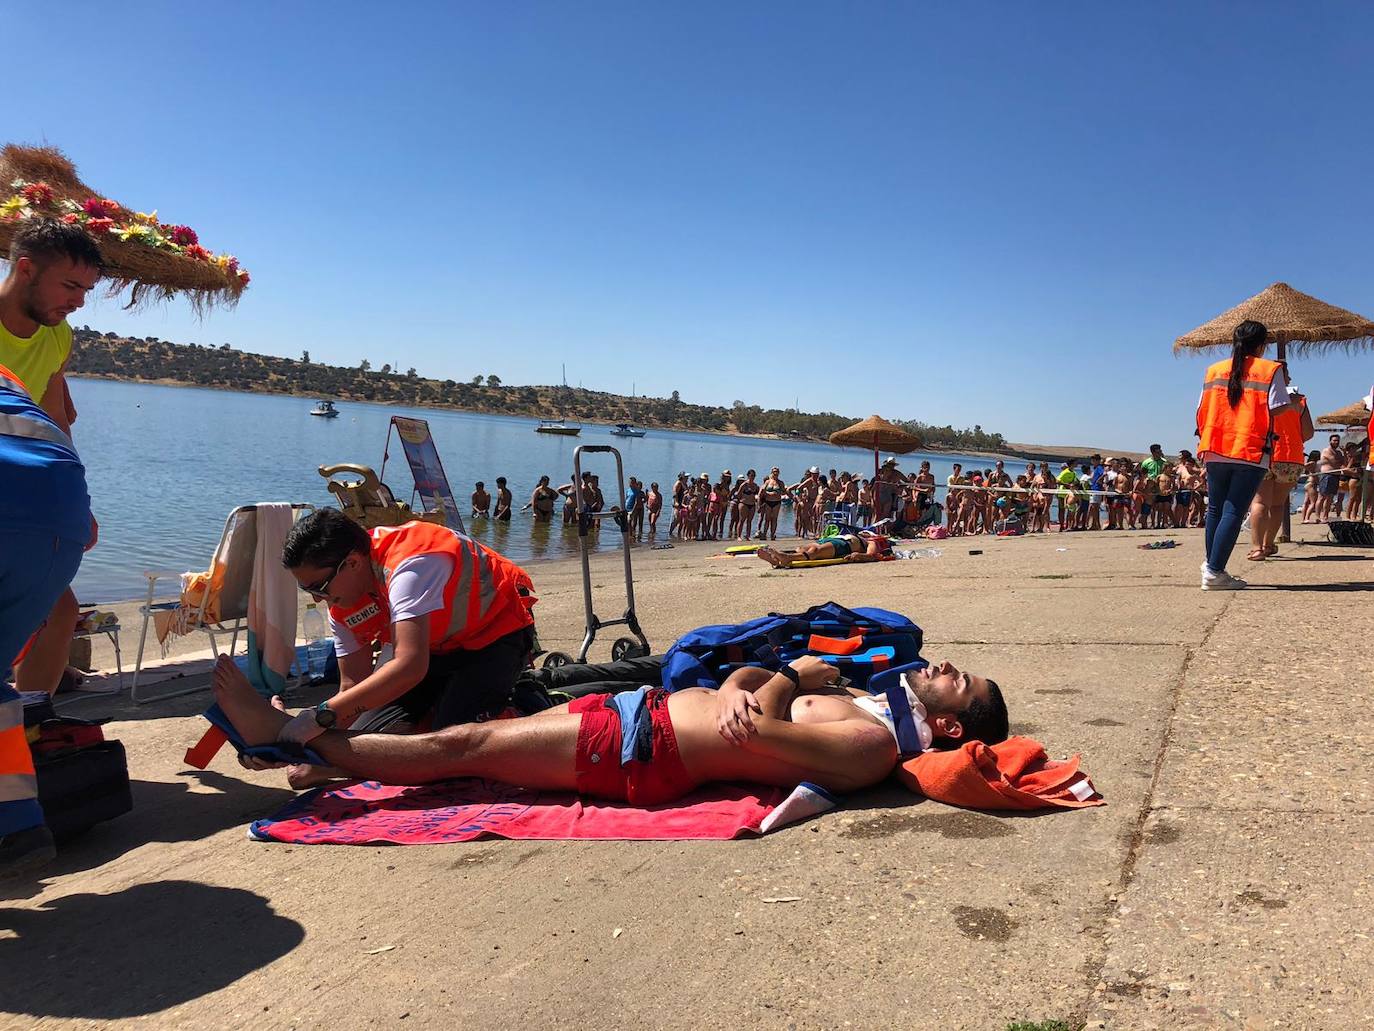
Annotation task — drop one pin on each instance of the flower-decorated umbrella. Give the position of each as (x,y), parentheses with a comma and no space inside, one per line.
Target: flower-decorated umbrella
(877,434)
(147,257)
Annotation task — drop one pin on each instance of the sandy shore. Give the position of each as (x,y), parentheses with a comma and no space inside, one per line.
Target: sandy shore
(1226,884)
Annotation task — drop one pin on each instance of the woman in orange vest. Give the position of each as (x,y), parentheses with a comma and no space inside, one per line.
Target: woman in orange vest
(45,525)
(1294,428)
(1236,435)
(455,615)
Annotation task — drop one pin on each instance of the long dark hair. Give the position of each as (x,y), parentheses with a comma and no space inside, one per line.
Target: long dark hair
(1249,339)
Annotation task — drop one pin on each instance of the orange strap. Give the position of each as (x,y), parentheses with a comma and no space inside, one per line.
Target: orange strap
(200,754)
(834,645)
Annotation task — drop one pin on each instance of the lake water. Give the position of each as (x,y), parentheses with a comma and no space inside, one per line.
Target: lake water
(166,464)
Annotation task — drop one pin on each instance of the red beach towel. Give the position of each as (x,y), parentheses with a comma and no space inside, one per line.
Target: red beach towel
(1015,774)
(369,813)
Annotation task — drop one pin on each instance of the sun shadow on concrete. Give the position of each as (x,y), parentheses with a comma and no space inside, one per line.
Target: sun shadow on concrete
(162,812)
(138,951)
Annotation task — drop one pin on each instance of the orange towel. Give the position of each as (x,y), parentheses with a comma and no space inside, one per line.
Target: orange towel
(1015,774)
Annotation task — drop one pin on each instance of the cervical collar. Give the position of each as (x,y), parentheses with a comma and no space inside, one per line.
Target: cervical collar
(902,715)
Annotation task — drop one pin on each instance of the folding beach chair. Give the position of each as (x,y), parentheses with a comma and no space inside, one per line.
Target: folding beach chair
(222,605)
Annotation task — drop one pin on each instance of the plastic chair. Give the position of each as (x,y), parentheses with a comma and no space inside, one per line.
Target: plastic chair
(234,555)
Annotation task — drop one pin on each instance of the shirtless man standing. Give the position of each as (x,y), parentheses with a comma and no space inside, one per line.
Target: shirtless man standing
(804,509)
(481,501)
(761,727)
(504,500)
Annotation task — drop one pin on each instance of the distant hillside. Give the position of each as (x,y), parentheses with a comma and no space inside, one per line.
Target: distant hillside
(158,361)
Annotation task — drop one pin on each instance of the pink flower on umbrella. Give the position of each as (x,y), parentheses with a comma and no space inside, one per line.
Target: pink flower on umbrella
(243,276)
(71,218)
(99,226)
(197,252)
(182,236)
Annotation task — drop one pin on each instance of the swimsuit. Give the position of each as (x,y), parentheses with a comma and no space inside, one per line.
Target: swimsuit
(639,764)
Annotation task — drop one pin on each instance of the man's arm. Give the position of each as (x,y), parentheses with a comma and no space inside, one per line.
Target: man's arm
(378,687)
(56,401)
(843,755)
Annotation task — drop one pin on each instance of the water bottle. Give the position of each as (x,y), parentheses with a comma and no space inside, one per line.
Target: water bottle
(317,643)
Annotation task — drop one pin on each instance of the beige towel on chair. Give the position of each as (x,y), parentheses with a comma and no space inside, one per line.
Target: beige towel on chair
(271,603)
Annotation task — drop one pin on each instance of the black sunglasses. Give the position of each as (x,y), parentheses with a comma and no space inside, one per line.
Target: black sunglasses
(321,589)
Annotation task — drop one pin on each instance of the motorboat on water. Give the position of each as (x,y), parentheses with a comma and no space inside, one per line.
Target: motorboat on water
(325,410)
(558,427)
(626,429)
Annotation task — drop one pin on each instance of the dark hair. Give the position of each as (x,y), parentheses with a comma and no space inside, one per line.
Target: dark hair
(1249,339)
(500,481)
(43,239)
(481,485)
(324,538)
(985,719)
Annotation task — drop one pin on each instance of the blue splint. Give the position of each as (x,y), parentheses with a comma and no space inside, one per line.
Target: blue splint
(276,752)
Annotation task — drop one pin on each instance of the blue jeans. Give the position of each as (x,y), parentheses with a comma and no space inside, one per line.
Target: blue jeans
(1230,489)
(35,568)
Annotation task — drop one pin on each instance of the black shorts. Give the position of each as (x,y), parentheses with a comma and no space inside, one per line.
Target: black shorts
(460,687)
(1328,484)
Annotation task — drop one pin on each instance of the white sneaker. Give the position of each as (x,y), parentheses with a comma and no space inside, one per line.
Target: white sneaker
(1222,582)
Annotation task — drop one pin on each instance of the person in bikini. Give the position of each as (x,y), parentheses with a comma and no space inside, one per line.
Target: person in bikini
(542,501)
(865,546)
(776,728)
(771,494)
(748,494)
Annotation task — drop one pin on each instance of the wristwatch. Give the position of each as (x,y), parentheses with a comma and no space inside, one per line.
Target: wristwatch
(791,674)
(325,717)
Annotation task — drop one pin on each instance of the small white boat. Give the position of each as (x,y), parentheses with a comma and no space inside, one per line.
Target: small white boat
(325,409)
(626,429)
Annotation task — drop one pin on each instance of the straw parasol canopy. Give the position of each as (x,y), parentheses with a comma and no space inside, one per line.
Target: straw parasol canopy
(152,259)
(1292,317)
(1351,415)
(876,434)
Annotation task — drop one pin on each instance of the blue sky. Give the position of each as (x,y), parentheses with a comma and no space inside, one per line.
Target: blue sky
(1010,209)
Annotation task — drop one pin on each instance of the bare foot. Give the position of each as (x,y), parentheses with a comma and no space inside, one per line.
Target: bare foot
(303,775)
(774,557)
(257,722)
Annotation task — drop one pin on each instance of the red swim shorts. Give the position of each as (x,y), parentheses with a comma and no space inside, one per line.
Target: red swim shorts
(599,773)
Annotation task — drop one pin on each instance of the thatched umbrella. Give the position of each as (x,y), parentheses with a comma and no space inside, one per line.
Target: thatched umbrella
(1292,317)
(1351,415)
(143,254)
(876,434)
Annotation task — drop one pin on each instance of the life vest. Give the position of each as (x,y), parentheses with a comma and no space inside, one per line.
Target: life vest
(1288,443)
(486,597)
(17,780)
(1244,432)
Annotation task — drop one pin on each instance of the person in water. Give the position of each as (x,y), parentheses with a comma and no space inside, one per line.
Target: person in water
(761,727)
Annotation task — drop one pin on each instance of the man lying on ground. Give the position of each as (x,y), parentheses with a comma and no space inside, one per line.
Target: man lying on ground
(864,546)
(760,727)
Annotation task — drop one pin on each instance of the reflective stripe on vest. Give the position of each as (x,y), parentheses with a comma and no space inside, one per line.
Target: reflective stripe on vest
(486,597)
(26,426)
(1288,440)
(1244,432)
(17,780)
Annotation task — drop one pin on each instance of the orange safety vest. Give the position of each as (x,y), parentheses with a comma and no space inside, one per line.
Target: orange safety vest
(1288,447)
(1244,432)
(487,595)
